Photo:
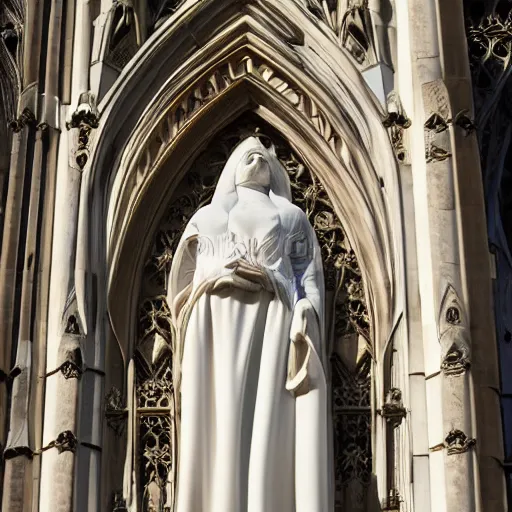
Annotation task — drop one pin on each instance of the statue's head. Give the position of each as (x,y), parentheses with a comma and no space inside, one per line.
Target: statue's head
(253,170)
(252,165)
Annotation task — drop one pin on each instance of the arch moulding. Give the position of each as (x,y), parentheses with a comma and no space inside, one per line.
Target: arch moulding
(325,111)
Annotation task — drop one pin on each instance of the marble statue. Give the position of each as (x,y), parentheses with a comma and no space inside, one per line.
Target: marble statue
(246,291)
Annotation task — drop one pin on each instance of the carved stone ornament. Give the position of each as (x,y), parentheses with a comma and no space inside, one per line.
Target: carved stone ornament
(435,125)
(66,442)
(397,121)
(70,353)
(71,370)
(392,502)
(115,411)
(457,442)
(439,119)
(455,363)
(119,503)
(350,21)
(154,352)
(453,335)
(393,410)
(85,118)
(26,118)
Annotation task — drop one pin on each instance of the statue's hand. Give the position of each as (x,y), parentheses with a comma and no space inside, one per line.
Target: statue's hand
(300,349)
(250,272)
(302,313)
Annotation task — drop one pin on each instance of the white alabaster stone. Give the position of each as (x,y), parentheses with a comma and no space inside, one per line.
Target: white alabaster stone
(246,294)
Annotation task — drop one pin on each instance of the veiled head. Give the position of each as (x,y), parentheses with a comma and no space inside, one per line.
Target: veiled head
(251,164)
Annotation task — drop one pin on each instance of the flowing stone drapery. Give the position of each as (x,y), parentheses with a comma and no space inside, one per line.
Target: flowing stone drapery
(247,303)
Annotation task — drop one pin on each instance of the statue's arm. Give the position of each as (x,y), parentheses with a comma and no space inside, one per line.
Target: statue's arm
(306,331)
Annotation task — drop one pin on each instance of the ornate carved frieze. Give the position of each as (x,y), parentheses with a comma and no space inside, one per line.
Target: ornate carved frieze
(393,409)
(457,442)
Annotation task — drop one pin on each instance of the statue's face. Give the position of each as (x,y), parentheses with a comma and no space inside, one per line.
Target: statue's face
(254,168)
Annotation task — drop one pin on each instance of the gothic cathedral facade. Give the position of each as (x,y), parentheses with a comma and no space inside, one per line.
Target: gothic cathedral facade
(393,122)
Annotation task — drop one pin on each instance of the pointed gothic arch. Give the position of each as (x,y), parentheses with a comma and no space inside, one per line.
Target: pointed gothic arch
(147,140)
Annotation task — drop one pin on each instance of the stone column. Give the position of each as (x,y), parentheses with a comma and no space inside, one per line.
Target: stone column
(476,271)
(445,315)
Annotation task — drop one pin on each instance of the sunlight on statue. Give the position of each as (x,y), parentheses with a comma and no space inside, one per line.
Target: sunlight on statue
(246,291)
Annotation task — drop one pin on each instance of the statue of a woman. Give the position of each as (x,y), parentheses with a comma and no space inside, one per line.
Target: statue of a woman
(246,292)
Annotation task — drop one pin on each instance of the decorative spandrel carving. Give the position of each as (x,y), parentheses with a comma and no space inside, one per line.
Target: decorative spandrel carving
(153,355)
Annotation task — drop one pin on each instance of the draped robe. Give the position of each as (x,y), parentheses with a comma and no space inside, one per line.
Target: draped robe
(246,290)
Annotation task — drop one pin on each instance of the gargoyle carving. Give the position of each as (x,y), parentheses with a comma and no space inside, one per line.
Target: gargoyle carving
(397,121)
(458,442)
(393,410)
(85,118)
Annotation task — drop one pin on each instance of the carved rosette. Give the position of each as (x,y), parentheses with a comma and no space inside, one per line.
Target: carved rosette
(153,355)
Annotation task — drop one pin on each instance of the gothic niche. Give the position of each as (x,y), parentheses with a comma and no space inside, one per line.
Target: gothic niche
(347,322)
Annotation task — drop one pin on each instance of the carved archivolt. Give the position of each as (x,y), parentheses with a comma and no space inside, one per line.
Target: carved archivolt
(242,65)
